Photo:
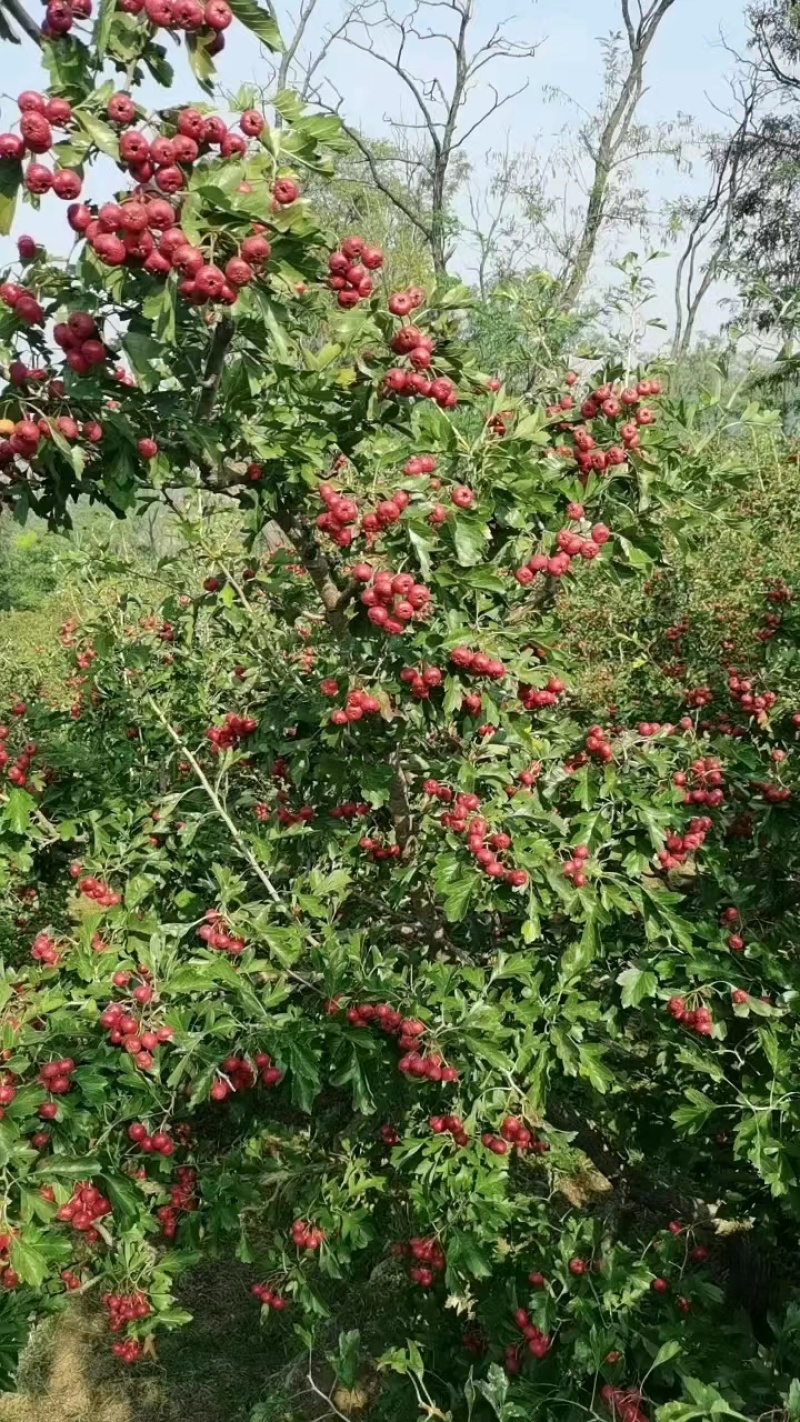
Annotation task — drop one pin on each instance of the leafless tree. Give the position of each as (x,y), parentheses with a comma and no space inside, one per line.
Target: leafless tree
(708,223)
(508,215)
(607,139)
(443,119)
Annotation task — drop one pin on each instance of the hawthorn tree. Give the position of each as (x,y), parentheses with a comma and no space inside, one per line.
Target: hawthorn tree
(339,934)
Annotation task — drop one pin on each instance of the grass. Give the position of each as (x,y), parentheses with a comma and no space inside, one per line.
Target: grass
(215,1370)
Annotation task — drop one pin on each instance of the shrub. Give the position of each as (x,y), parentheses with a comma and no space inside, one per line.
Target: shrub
(341,936)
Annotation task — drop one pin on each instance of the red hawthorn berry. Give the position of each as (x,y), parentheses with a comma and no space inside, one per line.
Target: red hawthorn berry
(286,191)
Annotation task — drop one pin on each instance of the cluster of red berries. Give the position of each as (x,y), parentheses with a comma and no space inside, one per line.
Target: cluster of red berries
(575,868)
(39,116)
(71,1280)
(741,689)
(538,699)
(45,950)
(515,1133)
(429,1256)
(413,382)
(539,1343)
(231,733)
(182,1198)
(393,600)
(775,794)
(206,20)
(408,1031)
(448,1125)
(125,1308)
(598,744)
(477,663)
(678,631)
(268,1297)
(420,464)
(612,404)
(709,782)
(570,545)
(698,696)
(485,846)
(410,341)
(698,1019)
(306,1236)
(143,229)
(359,704)
(402,303)
(128,1350)
(303,816)
(159,1143)
(240,1075)
(440,792)
(350,269)
(377,851)
(18,765)
(126,1032)
(24,305)
(341,513)
(678,847)
(350,810)
(8,1091)
(56,1077)
(422,680)
(100,892)
(624,1403)
(85,1207)
(9,1278)
(79,338)
(215,934)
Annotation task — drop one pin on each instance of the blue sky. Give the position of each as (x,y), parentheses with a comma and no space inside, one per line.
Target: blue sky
(688,72)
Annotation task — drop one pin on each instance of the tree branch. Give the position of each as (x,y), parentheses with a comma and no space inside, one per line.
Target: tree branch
(215,364)
(19,14)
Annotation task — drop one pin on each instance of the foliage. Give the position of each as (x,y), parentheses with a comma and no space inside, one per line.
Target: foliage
(344,931)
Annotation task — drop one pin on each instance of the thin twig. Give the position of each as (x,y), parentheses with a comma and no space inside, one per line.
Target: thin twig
(216,802)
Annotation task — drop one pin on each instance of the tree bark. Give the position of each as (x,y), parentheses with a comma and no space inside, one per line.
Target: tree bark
(612,141)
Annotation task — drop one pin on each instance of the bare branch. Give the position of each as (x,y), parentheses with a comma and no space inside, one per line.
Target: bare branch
(19,14)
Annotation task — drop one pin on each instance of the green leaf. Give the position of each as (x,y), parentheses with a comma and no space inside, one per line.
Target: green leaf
(100,134)
(668,1350)
(636,984)
(279,338)
(469,537)
(19,809)
(260,20)
(578,957)
(592,1066)
(10,184)
(143,351)
(201,62)
(29,1260)
(102,29)
(694,1115)
(303,1063)
(68,1167)
(161,310)
(495,1389)
(124,1196)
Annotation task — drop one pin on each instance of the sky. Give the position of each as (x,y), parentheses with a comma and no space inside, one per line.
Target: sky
(688,73)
